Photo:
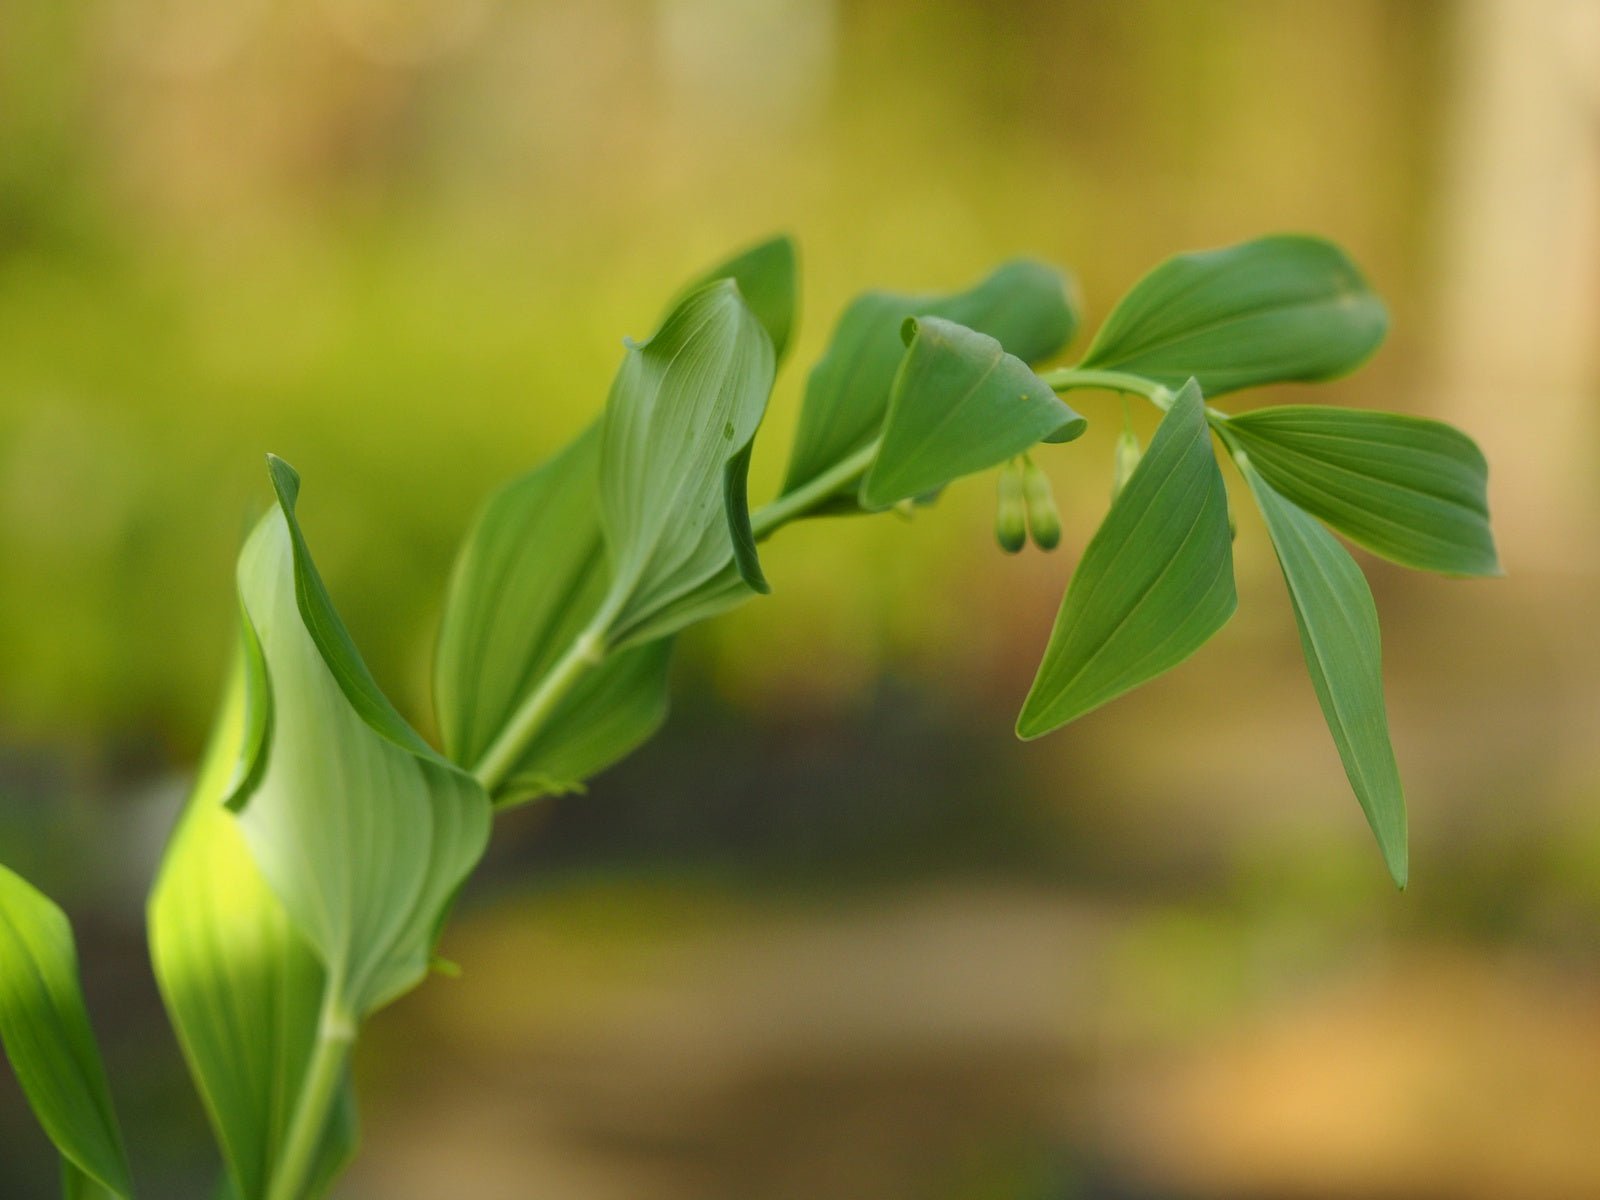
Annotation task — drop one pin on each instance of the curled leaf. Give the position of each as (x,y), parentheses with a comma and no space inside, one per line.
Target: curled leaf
(363,832)
(959,404)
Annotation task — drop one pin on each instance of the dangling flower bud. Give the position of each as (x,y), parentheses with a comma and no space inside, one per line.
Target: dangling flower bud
(1044,522)
(1127,458)
(1010,528)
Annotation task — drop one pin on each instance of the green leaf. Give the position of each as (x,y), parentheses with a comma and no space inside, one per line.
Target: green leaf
(959,404)
(242,988)
(673,445)
(530,578)
(1026,306)
(1412,490)
(1339,634)
(768,278)
(364,832)
(45,1029)
(1274,310)
(1154,584)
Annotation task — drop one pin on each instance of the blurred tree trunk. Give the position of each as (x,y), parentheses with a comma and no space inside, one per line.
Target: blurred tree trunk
(1520,260)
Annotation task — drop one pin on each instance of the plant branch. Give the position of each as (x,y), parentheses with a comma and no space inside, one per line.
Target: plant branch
(769,518)
(588,650)
(1112,381)
(336,1033)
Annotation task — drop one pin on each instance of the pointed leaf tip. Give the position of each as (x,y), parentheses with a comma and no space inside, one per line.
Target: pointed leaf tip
(1338,624)
(959,404)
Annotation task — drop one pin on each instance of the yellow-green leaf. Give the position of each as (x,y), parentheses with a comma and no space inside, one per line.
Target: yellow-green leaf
(242,988)
(44,1027)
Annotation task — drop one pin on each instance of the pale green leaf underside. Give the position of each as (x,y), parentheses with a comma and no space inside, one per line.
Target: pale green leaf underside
(1154,583)
(1339,634)
(682,411)
(364,839)
(1274,310)
(959,403)
(768,276)
(242,988)
(44,1027)
(1412,490)
(1026,306)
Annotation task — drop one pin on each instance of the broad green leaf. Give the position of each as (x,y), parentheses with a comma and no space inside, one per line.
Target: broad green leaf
(242,988)
(1155,582)
(673,445)
(530,577)
(1026,306)
(1413,490)
(1274,310)
(45,1029)
(1339,634)
(768,278)
(363,832)
(959,403)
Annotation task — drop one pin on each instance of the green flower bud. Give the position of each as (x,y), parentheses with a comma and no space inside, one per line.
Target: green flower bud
(1127,458)
(1044,522)
(1010,528)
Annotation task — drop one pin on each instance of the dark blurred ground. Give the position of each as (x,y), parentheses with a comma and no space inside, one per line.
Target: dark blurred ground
(835,933)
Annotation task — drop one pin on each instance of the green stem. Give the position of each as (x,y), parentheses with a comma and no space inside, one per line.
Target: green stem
(1120,381)
(769,518)
(588,650)
(1112,381)
(336,1033)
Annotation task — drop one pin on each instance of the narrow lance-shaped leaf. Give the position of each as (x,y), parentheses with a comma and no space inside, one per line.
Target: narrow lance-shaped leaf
(530,577)
(242,988)
(1339,634)
(1155,582)
(959,403)
(679,421)
(1274,310)
(1410,489)
(44,1027)
(1026,306)
(363,832)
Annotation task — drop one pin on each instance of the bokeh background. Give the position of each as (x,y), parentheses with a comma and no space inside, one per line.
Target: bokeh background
(834,933)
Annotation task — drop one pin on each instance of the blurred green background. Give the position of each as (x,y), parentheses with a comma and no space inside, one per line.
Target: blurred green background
(835,933)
